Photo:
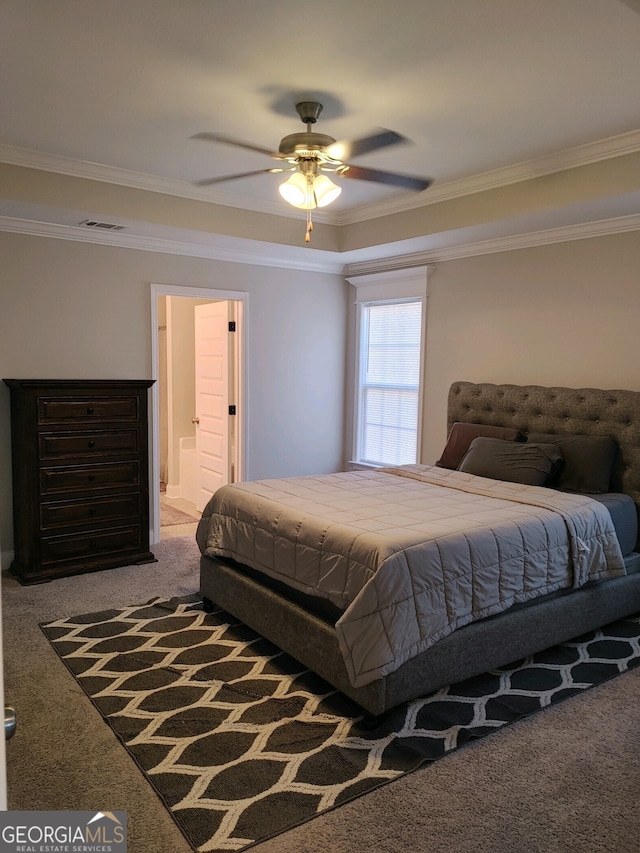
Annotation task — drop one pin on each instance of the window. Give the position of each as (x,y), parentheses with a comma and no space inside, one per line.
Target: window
(388,389)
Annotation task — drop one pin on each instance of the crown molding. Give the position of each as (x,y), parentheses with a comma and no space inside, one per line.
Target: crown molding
(559,161)
(569,158)
(251,252)
(261,254)
(383,276)
(562,234)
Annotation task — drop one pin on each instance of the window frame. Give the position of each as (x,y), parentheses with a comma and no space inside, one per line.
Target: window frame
(398,286)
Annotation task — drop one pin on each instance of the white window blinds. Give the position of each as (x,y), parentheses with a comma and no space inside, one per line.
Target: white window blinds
(390,385)
(390,311)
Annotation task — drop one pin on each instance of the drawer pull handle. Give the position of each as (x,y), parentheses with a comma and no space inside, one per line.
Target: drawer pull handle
(89,410)
(91,443)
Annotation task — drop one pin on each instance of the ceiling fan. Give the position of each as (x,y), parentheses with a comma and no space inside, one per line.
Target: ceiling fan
(309,156)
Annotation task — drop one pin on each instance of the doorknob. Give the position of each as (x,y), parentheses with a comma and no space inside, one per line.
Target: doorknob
(195,420)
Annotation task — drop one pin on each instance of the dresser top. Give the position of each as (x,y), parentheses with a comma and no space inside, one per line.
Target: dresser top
(78,383)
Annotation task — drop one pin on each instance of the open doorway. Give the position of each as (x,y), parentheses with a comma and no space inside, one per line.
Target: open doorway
(198,404)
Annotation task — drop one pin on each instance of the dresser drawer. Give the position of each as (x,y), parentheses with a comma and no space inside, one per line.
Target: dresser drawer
(88,477)
(93,511)
(91,545)
(84,409)
(68,444)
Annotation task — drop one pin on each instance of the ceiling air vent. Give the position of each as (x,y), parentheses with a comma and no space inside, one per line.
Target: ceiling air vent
(105,226)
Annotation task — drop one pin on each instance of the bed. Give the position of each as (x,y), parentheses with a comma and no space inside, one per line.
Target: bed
(391,583)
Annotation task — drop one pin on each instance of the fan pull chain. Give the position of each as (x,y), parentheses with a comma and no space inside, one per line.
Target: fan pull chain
(307,236)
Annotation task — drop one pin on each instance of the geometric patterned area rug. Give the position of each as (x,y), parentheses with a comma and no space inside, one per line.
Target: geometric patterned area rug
(241,742)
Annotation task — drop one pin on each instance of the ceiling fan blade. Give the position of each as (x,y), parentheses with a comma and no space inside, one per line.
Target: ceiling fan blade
(394,179)
(207,182)
(346,149)
(227,140)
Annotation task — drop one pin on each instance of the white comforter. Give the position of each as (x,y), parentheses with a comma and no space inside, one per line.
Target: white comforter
(411,553)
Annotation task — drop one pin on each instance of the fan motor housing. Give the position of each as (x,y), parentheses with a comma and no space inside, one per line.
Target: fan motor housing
(296,143)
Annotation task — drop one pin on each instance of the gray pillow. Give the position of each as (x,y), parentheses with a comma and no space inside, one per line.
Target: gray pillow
(513,461)
(588,460)
(461,436)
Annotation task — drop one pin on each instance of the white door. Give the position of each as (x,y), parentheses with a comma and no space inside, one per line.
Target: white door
(212,344)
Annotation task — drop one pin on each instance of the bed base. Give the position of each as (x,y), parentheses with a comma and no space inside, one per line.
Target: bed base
(469,651)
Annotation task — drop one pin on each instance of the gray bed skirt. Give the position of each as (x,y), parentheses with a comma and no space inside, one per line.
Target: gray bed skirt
(467,652)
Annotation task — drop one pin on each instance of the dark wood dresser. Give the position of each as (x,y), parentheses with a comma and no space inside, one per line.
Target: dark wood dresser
(80,476)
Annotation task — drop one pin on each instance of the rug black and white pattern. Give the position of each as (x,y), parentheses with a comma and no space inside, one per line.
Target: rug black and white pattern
(241,742)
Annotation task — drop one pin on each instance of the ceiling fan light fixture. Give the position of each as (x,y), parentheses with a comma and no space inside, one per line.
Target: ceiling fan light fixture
(325,190)
(308,192)
(298,191)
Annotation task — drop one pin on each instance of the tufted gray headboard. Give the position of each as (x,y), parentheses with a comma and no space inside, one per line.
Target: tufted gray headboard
(576,411)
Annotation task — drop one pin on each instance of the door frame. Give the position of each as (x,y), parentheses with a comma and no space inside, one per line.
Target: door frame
(154,414)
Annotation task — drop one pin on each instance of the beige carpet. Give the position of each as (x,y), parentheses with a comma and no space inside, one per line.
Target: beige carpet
(566,779)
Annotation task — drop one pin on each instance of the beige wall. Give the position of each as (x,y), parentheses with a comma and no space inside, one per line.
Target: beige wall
(565,314)
(74,310)
(549,193)
(36,186)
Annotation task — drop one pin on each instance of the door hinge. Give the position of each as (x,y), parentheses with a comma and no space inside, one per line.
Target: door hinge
(232,410)
(232,325)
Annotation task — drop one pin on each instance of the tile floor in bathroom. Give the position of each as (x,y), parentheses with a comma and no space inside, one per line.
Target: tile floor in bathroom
(187,529)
